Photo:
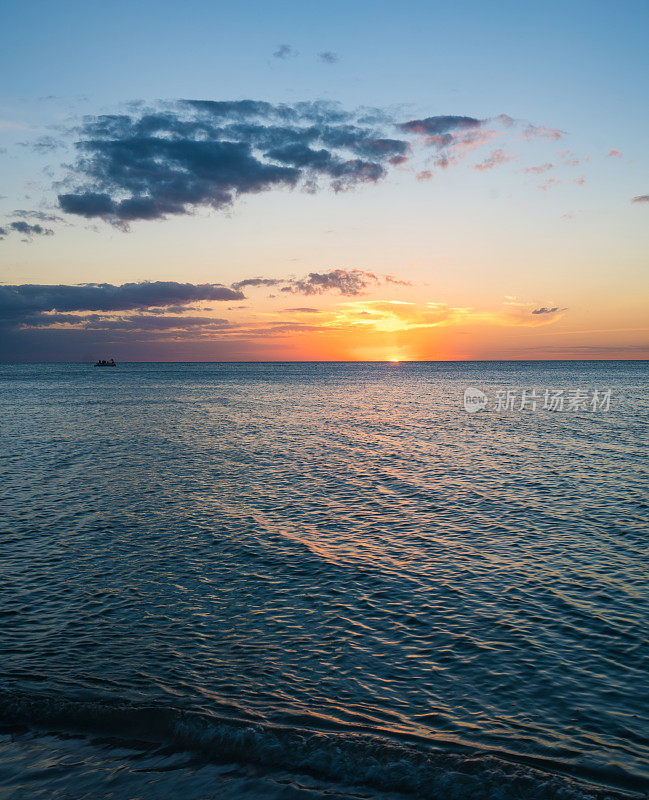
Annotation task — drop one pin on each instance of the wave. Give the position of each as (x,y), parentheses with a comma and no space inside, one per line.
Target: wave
(347,759)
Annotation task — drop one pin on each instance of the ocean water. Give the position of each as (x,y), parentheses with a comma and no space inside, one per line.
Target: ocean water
(322,581)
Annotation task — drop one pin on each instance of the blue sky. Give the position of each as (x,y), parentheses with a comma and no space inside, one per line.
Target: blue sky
(473,238)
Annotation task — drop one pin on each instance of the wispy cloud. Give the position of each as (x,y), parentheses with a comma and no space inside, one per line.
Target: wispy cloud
(41,216)
(549,183)
(328,57)
(494,159)
(641,198)
(545,310)
(539,169)
(542,132)
(285,51)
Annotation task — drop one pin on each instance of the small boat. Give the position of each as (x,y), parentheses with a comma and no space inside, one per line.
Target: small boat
(104,363)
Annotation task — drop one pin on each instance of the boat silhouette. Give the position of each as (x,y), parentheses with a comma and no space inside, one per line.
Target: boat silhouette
(103,363)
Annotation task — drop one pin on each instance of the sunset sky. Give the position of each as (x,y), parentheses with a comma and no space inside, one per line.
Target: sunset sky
(341,181)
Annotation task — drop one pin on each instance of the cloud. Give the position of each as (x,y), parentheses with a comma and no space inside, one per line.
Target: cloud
(130,322)
(285,51)
(396,281)
(641,198)
(635,351)
(176,157)
(346,282)
(493,160)
(542,132)
(436,126)
(42,216)
(549,184)
(18,302)
(349,282)
(257,282)
(455,137)
(615,153)
(3,231)
(45,144)
(35,329)
(157,162)
(30,230)
(540,169)
(328,57)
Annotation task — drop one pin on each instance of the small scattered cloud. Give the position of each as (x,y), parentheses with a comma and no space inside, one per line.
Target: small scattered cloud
(328,57)
(30,230)
(302,310)
(285,51)
(545,310)
(440,125)
(41,216)
(613,153)
(549,184)
(496,158)
(641,198)
(28,224)
(580,181)
(396,281)
(44,144)
(539,169)
(455,137)
(257,282)
(542,132)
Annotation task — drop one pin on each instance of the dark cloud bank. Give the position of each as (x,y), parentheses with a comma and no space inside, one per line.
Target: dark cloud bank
(177,157)
(37,302)
(58,322)
(135,320)
(16,302)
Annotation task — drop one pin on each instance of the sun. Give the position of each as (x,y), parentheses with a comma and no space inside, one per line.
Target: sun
(394,360)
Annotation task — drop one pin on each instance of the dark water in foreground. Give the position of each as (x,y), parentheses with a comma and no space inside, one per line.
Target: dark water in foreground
(320,581)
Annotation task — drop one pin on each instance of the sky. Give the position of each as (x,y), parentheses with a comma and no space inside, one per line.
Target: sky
(299,181)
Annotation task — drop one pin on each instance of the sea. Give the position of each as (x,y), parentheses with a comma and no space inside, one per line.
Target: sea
(321,581)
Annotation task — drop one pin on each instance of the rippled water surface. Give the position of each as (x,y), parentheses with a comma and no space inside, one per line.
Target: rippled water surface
(244,580)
